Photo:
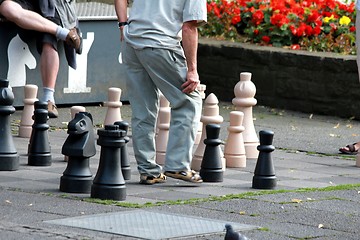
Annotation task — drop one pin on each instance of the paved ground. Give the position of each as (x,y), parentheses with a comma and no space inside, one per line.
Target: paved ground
(306,156)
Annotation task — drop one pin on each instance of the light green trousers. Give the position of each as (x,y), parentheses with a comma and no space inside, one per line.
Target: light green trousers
(148,71)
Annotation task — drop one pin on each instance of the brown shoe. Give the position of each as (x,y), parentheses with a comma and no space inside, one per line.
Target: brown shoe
(52,110)
(149,180)
(74,40)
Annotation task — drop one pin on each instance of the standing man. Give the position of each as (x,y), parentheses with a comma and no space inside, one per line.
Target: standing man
(157,61)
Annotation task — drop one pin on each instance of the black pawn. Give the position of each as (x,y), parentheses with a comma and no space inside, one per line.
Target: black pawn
(109,182)
(9,158)
(125,162)
(39,152)
(264,174)
(211,165)
(79,147)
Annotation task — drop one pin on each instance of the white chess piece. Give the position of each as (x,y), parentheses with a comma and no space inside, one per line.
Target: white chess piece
(201,88)
(26,122)
(234,150)
(210,115)
(244,101)
(113,105)
(163,130)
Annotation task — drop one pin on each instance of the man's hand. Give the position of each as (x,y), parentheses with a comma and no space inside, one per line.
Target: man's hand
(192,81)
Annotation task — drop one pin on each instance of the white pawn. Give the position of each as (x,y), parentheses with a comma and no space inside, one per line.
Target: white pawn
(201,88)
(210,115)
(163,129)
(113,105)
(234,149)
(26,122)
(244,101)
(74,110)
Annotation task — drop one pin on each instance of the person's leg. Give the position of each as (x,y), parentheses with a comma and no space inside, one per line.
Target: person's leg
(167,69)
(49,65)
(143,97)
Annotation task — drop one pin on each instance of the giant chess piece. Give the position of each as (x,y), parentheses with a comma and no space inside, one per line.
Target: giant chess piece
(211,165)
(210,115)
(244,101)
(264,174)
(79,146)
(73,111)
(39,152)
(9,158)
(26,122)
(163,126)
(201,88)
(109,182)
(113,113)
(124,155)
(234,150)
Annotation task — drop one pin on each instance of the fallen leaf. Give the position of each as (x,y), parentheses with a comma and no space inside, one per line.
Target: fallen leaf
(295,200)
(337,125)
(348,125)
(242,213)
(311,116)
(320,225)
(8,201)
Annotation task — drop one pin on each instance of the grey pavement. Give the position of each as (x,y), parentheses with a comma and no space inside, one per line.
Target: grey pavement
(316,196)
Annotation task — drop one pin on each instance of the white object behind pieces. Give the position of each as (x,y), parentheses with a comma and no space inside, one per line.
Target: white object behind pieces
(234,148)
(210,115)
(244,101)
(163,125)
(26,122)
(113,105)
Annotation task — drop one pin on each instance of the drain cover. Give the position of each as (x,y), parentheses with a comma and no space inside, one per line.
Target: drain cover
(149,225)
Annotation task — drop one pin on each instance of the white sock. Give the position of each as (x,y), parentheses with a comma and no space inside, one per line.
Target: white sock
(61,33)
(48,94)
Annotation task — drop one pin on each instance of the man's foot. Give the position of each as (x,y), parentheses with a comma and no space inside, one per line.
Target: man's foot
(52,110)
(74,40)
(149,180)
(189,176)
(351,149)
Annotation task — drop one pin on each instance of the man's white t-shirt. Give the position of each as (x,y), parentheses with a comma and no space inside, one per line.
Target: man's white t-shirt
(158,23)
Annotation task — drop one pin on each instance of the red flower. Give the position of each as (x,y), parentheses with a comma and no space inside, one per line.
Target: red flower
(257,17)
(256,31)
(266,39)
(235,20)
(352,29)
(295,47)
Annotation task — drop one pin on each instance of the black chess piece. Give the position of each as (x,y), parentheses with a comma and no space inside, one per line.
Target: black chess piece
(125,161)
(211,165)
(39,151)
(79,146)
(264,174)
(9,158)
(109,182)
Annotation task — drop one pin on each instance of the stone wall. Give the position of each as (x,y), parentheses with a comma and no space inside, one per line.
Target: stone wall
(319,83)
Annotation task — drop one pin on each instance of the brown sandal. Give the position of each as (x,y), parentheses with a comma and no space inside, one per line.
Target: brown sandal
(351,150)
(189,176)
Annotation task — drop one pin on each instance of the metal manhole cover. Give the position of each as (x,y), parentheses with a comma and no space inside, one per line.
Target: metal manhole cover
(149,225)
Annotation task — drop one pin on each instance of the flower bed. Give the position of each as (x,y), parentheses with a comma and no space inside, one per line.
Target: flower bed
(312,25)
